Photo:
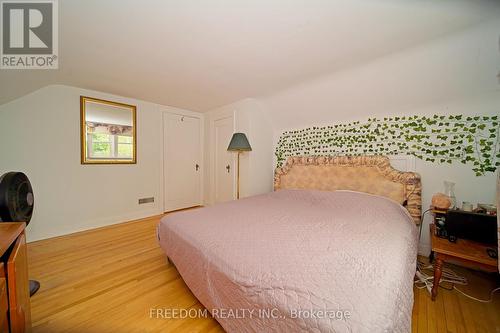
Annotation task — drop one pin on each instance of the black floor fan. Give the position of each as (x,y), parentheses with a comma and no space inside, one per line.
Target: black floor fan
(16,204)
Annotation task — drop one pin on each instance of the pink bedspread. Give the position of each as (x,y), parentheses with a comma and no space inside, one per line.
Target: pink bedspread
(298,260)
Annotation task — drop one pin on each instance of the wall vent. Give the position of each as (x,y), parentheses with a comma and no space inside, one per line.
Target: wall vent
(146,200)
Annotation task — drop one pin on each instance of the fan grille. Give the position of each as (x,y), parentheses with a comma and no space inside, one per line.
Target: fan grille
(16,197)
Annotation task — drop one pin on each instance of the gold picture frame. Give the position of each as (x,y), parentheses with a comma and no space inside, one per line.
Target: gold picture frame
(124,128)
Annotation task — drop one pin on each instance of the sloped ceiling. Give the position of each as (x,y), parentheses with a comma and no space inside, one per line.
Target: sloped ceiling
(198,55)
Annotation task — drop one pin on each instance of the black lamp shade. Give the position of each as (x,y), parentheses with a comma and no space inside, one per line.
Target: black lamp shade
(239,142)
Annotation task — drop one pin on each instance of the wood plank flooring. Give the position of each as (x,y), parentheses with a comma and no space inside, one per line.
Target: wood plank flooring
(108,279)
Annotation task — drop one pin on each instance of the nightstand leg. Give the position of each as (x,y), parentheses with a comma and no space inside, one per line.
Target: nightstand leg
(438,271)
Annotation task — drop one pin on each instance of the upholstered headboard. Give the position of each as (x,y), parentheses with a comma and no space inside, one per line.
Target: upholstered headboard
(370,174)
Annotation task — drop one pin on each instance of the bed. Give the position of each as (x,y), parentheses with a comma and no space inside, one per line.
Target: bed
(332,249)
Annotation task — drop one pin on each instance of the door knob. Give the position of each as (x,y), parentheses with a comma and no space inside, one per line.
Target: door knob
(228,168)
(197,167)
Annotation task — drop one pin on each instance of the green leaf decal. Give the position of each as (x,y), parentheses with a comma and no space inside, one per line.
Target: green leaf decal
(467,139)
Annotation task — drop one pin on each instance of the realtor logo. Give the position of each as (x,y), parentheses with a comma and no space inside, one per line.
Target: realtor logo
(29,34)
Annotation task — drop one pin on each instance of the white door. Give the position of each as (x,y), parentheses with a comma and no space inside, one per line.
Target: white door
(182,161)
(223,166)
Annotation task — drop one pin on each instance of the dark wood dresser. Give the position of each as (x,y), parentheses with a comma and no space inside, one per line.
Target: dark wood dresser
(15,309)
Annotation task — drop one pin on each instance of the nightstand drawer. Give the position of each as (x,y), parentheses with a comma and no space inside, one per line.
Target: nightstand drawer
(4,305)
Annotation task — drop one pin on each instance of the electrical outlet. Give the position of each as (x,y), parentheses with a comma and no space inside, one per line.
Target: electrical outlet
(146,200)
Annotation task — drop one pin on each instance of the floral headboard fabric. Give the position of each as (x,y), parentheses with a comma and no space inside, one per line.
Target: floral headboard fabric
(369,174)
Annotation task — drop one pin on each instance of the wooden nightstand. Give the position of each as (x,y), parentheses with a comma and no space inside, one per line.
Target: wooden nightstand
(470,254)
(14,283)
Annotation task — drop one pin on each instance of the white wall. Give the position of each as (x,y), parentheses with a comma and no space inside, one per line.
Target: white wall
(40,135)
(436,76)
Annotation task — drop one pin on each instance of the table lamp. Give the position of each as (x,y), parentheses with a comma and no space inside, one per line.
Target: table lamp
(239,143)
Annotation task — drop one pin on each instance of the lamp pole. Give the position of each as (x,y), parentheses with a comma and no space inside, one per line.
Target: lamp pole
(238,178)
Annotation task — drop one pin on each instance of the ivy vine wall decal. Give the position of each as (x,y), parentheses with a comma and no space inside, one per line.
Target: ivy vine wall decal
(472,140)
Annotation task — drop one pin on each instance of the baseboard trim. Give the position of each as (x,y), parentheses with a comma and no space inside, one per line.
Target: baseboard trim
(181,209)
(108,225)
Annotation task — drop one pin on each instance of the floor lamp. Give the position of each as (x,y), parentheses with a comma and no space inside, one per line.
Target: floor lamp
(239,143)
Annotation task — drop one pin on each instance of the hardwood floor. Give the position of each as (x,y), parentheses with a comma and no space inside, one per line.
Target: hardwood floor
(453,312)
(108,279)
